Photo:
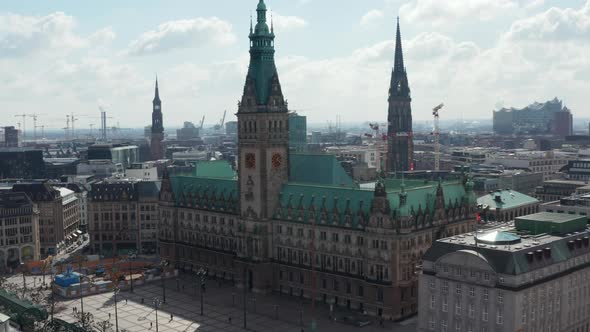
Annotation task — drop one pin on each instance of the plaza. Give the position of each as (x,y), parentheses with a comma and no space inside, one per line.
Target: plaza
(221,302)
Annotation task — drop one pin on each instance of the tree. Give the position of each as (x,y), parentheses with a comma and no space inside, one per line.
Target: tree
(84,321)
(103,326)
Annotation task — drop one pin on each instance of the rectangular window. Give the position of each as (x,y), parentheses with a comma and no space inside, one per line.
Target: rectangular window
(458,289)
(443,326)
(499,317)
(445,305)
(472,291)
(484,313)
(486,294)
(445,287)
(471,311)
(431,324)
(458,308)
(500,297)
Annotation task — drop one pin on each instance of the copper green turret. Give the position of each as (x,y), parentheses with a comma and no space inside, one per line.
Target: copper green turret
(262,91)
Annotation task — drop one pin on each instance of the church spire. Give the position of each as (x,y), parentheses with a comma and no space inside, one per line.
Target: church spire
(399,86)
(399,56)
(157,92)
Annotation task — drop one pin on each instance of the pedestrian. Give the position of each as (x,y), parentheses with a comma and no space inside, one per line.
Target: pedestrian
(381,322)
(142,300)
(109,315)
(151,325)
(171,317)
(229,319)
(125,301)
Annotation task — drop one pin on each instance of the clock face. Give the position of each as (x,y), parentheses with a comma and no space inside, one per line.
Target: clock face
(250,160)
(277,160)
(157,107)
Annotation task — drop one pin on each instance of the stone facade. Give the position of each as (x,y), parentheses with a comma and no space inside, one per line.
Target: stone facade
(333,242)
(57,220)
(19,230)
(123,214)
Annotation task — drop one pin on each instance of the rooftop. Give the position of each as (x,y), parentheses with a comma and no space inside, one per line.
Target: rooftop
(511,252)
(505,199)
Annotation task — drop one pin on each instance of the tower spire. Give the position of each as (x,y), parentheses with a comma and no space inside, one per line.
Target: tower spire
(157,92)
(399,56)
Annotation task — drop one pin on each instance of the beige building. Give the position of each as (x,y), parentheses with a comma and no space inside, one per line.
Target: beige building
(59,214)
(19,230)
(530,275)
(123,214)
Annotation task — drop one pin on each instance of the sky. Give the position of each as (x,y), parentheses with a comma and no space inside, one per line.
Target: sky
(334,57)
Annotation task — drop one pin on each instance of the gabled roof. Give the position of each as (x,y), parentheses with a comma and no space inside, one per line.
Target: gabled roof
(329,203)
(206,193)
(319,169)
(422,195)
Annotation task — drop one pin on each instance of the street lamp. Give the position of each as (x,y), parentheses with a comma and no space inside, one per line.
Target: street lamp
(116,291)
(156,303)
(131,256)
(201,274)
(22,266)
(163,264)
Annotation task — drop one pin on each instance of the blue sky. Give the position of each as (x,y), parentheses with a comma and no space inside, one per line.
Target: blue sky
(334,56)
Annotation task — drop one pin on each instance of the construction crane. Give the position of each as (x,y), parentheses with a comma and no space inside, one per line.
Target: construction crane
(220,125)
(24,116)
(42,132)
(34,116)
(202,122)
(436,134)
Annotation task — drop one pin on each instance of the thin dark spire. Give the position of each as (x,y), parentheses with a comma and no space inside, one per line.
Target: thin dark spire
(157,92)
(399,56)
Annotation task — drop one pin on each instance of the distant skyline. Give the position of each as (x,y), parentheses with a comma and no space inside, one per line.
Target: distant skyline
(334,57)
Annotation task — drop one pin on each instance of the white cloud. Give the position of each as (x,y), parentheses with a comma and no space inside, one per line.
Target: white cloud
(183,34)
(438,12)
(555,24)
(33,35)
(371,17)
(288,22)
(103,36)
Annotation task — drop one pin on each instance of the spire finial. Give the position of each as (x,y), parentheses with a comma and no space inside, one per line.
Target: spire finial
(251,22)
(272,29)
(157,92)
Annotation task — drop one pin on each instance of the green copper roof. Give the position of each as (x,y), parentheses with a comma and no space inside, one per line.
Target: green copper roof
(322,169)
(551,223)
(300,202)
(205,193)
(262,69)
(421,195)
(507,199)
(215,169)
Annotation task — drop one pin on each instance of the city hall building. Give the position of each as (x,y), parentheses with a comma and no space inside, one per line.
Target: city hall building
(294,223)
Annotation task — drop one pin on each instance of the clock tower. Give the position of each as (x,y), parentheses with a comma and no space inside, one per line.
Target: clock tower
(263,145)
(263,132)
(157,147)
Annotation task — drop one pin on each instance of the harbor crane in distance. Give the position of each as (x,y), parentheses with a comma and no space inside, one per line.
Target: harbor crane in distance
(436,134)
